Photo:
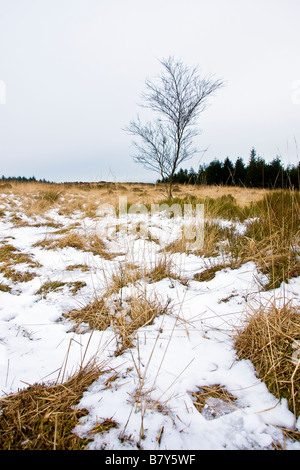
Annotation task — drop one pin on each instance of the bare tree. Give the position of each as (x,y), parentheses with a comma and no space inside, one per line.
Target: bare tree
(177,97)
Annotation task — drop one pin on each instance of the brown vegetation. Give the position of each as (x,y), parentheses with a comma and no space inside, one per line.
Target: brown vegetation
(43,416)
(268,341)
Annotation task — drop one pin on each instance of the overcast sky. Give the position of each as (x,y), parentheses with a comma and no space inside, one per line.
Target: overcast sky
(72,73)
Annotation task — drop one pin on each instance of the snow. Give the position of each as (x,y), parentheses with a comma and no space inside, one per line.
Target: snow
(172,358)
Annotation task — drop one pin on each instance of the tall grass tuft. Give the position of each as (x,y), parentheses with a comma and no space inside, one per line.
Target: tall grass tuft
(51,195)
(272,238)
(42,417)
(268,340)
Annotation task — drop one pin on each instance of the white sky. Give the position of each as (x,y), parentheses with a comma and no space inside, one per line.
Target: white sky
(74,70)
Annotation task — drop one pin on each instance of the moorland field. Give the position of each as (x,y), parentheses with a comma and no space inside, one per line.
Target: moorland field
(115,333)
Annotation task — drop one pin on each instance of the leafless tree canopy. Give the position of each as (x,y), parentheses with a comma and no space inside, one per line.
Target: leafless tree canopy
(177,97)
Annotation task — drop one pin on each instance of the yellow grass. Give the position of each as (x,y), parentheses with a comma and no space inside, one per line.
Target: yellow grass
(272,242)
(103,193)
(270,340)
(42,416)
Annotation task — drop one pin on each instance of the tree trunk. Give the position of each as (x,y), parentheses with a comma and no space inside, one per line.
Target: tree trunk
(170,195)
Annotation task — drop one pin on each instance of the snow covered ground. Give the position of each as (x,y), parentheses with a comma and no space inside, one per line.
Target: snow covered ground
(150,388)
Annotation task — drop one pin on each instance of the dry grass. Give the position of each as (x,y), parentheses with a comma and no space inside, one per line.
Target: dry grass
(11,256)
(209,273)
(51,195)
(138,312)
(128,273)
(42,417)
(122,276)
(50,286)
(124,316)
(104,426)
(276,256)
(93,194)
(99,314)
(39,198)
(4,287)
(53,286)
(214,238)
(98,247)
(75,286)
(225,206)
(210,398)
(273,239)
(73,240)
(268,341)
(17,276)
(96,314)
(82,267)
(165,267)
(89,243)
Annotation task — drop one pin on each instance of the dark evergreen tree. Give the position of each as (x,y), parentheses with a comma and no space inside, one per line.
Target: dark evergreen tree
(201,177)
(192,177)
(274,174)
(293,176)
(255,171)
(182,176)
(228,172)
(239,172)
(214,172)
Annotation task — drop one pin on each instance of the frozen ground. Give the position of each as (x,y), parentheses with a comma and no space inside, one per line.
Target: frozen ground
(147,390)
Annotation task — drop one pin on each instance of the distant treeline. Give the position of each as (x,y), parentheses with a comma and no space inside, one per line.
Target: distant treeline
(22,179)
(257,174)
